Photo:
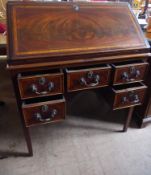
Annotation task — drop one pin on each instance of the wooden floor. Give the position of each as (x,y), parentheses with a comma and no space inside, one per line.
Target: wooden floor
(86,143)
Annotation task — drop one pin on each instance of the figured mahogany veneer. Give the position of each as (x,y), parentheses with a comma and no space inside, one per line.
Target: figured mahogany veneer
(44,112)
(127,96)
(128,73)
(72,28)
(41,85)
(88,78)
(82,39)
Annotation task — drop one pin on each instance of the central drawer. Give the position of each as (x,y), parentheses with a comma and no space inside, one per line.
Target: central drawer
(44,112)
(87,78)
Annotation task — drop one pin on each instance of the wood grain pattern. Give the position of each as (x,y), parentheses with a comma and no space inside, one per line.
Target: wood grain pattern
(26,83)
(120,93)
(45,64)
(30,110)
(57,29)
(131,70)
(74,78)
(44,36)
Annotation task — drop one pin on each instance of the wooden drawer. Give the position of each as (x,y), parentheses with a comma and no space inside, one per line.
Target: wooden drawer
(44,112)
(130,72)
(41,85)
(87,78)
(124,96)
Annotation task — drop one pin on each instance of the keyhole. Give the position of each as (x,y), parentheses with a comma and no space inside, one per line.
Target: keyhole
(76,7)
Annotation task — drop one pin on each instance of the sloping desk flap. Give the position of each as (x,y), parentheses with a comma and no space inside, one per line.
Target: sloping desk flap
(57,29)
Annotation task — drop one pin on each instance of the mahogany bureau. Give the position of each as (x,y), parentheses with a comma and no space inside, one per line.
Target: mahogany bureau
(55,49)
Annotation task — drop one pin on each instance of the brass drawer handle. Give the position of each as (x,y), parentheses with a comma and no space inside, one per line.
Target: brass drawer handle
(94,78)
(124,100)
(125,77)
(34,89)
(133,97)
(42,117)
(134,73)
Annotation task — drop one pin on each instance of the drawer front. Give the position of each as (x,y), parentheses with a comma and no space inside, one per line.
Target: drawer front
(87,78)
(45,112)
(129,97)
(129,73)
(41,85)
